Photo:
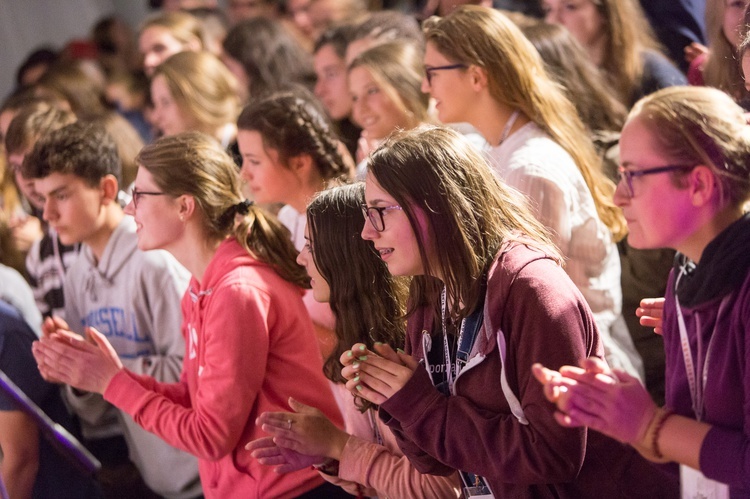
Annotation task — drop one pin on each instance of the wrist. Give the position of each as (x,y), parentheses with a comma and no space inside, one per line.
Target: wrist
(329,467)
(338,444)
(649,442)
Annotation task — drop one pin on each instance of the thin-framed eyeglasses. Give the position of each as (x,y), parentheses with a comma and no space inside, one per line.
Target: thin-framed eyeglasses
(375,215)
(137,195)
(627,176)
(429,70)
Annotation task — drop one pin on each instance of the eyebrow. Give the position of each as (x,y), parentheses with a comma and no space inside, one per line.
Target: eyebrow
(54,192)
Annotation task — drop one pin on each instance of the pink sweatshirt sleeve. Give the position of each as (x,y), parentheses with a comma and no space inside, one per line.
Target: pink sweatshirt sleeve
(230,374)
(391,475)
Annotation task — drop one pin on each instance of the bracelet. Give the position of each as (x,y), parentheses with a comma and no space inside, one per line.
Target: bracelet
(657,424)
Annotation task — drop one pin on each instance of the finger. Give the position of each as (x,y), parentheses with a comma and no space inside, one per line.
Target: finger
(381,367)
(271,460)
(359,389)
(260,443)
(542,374)
(301,408)
(387,352)
(279,420)
(384,383)
(409,361)
(650,321)
(596,365)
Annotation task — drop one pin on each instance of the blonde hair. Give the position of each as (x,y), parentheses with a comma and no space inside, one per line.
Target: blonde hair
(701,126)
(629,34)
(517,78)
(397,68)
(183,27)
(193,163)
(202,87)
(723,66)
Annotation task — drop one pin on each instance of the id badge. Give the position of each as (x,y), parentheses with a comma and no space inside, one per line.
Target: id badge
(695,485)
(480,492)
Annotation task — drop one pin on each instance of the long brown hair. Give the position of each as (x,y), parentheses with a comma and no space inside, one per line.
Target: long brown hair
(516,77)
(365,299)
(470,213)
(195,164)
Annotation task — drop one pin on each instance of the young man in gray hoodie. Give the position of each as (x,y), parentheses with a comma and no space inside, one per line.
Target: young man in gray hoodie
(130,296)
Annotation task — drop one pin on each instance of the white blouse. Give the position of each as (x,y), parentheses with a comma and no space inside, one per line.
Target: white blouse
(531,162)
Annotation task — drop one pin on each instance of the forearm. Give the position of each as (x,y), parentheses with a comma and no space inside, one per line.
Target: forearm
(18,476)
(391,475)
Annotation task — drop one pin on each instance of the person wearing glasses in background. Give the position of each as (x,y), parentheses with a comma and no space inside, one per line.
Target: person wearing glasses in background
(131,297)
(538,145)
(488,296)
(685,176)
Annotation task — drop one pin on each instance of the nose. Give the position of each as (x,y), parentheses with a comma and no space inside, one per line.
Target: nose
(425,85)
(130,208)
(150,61)
(621,197)
(319,87)
(245,173)
(368,231)
(48,212)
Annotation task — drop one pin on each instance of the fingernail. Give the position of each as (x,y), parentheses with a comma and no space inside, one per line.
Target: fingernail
(356,379)
(359,388)
(362,348)
(364,357)
(378,343)
(355,365)
(349,353)
(400,351)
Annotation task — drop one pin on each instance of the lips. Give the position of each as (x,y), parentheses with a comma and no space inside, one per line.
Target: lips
(384,252)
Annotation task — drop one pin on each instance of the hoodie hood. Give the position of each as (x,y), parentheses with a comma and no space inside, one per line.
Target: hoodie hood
(120,248)
(229,255)
(723,267)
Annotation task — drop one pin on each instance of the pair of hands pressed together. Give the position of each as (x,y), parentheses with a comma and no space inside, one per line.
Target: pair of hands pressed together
(306,436)
(609,401)
(88,364)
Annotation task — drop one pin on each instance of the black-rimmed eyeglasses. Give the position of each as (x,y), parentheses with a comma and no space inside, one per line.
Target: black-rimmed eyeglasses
(627,176)
(429,70)
(137,195)
(375,215)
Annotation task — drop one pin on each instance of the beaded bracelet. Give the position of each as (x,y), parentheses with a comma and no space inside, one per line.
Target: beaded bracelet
(657,424)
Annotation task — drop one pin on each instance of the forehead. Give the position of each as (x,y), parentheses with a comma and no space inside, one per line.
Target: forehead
(374,192)
(155,34)
(638,143)
(58,181)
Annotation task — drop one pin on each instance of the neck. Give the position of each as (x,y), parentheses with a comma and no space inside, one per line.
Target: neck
(304,194)
(696,243)
(194,251)
(492,117)
(111,216)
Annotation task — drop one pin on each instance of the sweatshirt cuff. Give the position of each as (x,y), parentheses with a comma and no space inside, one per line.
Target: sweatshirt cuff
(409,403)
(717,445)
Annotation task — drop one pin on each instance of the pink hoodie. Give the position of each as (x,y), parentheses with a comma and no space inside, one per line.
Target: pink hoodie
(250,346)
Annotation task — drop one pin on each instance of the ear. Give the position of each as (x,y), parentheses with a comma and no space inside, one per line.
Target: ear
(301,165)
(186,206)
(110,188)
(703,186)
(478,77)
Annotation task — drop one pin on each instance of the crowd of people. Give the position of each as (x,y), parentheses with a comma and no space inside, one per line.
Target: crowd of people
(250,252)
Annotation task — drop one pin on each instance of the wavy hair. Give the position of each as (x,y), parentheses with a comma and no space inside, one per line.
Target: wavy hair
(365,299)
(568,64)
(436,173)
(270,57)
(194,163)
(202,87)
(723,67)
(398,70)
(517,78)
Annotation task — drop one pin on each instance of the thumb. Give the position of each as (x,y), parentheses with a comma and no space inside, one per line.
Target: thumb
(301,408)
(59,322)
(104,345)
(408,360)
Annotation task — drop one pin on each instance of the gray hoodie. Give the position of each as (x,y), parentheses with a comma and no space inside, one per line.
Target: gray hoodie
(133,298)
